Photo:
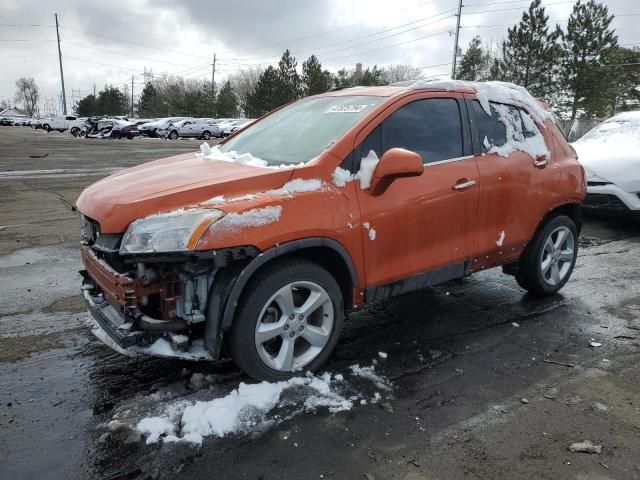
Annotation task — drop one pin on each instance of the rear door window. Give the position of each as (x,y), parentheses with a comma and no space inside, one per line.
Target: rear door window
(430,127)
(490,127)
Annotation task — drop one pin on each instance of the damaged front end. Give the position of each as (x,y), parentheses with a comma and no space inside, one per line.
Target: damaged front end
(166,304)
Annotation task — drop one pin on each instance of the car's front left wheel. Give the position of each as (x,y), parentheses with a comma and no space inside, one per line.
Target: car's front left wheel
(289,321)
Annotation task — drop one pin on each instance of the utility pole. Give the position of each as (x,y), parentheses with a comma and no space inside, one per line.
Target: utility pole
(64,96)
(455,43)
(213,85)
(94,89)
(131,95)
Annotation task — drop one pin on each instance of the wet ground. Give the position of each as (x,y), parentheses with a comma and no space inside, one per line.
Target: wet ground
(485,381)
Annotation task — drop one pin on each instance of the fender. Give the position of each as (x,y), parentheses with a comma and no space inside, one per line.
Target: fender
(260,260)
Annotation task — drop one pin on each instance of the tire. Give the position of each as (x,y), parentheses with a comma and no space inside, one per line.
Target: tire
(129,137)
(206,135)
(260,359)
(46,128)
(547,263)
(75,131)
(173,135)
(116,135)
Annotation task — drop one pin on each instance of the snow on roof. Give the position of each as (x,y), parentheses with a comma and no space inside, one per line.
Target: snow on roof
(499,92)
(11,112)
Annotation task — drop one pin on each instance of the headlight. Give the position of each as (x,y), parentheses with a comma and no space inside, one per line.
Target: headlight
(168,232)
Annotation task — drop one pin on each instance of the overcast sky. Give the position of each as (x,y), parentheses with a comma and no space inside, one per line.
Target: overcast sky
(181,37)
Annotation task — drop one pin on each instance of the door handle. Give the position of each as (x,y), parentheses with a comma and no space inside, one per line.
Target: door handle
(541,161)
(464,184)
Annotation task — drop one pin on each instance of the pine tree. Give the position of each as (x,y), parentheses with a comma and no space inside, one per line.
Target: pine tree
(314,79)
(370,77)
(227,101)
(150,104)
(623,77)
(531,53)
(474,64)
(86,107)
(264,97)
(289,83)
(111,101)
(589,39)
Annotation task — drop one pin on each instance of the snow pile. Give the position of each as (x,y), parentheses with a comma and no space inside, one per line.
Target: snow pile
(298,185)
(367,166)
(340,177)
(500,240)
(243,409)
(371,231)
(499,92)
(531,143)
(214,153)
(256,217)
(369,373)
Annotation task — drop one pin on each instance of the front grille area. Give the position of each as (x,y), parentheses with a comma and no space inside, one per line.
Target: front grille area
(604,201)
(89,230)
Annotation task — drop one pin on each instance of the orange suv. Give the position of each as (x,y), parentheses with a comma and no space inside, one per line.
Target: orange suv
(262,243)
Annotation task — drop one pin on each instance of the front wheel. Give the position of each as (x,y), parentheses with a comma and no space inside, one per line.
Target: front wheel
(290,320)
(548,262)
(173,135)
(206,135)
(46,128)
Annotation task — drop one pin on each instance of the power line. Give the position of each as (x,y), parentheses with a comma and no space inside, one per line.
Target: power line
(123,54)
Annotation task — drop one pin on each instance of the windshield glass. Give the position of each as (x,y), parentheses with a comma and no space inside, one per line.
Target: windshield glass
(623,125)
(301,131)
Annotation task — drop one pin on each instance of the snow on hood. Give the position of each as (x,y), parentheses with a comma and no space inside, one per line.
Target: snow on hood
(611,151)
(499,92)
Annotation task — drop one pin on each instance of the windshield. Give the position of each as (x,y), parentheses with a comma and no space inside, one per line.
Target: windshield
(623,125)
(301,131)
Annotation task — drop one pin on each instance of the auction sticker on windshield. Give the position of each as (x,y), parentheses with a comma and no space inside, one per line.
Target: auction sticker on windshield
(346,108)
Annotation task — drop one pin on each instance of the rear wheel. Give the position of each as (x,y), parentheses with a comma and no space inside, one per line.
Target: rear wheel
(46,127)
(116,135)
(548,262)
(290,320)
(173,135)
(75,131)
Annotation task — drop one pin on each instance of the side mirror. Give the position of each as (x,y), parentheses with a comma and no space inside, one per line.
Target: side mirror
(395,163)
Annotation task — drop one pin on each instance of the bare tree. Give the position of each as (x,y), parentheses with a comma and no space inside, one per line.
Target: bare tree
(27,94)
(400,73)
(244,83)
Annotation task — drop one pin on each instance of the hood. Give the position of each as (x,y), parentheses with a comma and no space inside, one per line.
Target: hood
(614,158)
(168,184)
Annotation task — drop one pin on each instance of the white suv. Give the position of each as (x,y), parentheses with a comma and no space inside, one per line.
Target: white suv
(199,128)
(58,122)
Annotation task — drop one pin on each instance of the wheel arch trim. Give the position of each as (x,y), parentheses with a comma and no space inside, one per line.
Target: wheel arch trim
(273,253)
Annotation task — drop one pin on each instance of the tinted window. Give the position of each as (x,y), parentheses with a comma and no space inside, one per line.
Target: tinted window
(431,128)
(489,126)
(372,142)
(529,127)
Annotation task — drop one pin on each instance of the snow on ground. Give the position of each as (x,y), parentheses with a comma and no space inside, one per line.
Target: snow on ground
(256,217)
(251,407)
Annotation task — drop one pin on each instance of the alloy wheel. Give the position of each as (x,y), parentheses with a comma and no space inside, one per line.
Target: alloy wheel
(294,326)
(557,256)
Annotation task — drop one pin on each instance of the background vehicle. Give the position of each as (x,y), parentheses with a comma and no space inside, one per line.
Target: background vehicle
(424,184)
(58,122)
(113,128)
(77,126)
(235,126)
(610,154)
(197,128)
(158,127)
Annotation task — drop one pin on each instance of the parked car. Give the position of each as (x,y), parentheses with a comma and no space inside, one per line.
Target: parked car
(113,128)
(36,124)
(6,122)
(58,122)
(332,202)
(610,154)
(78,126)
(151,129)
(197,128)
(233,127)
(223,123)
